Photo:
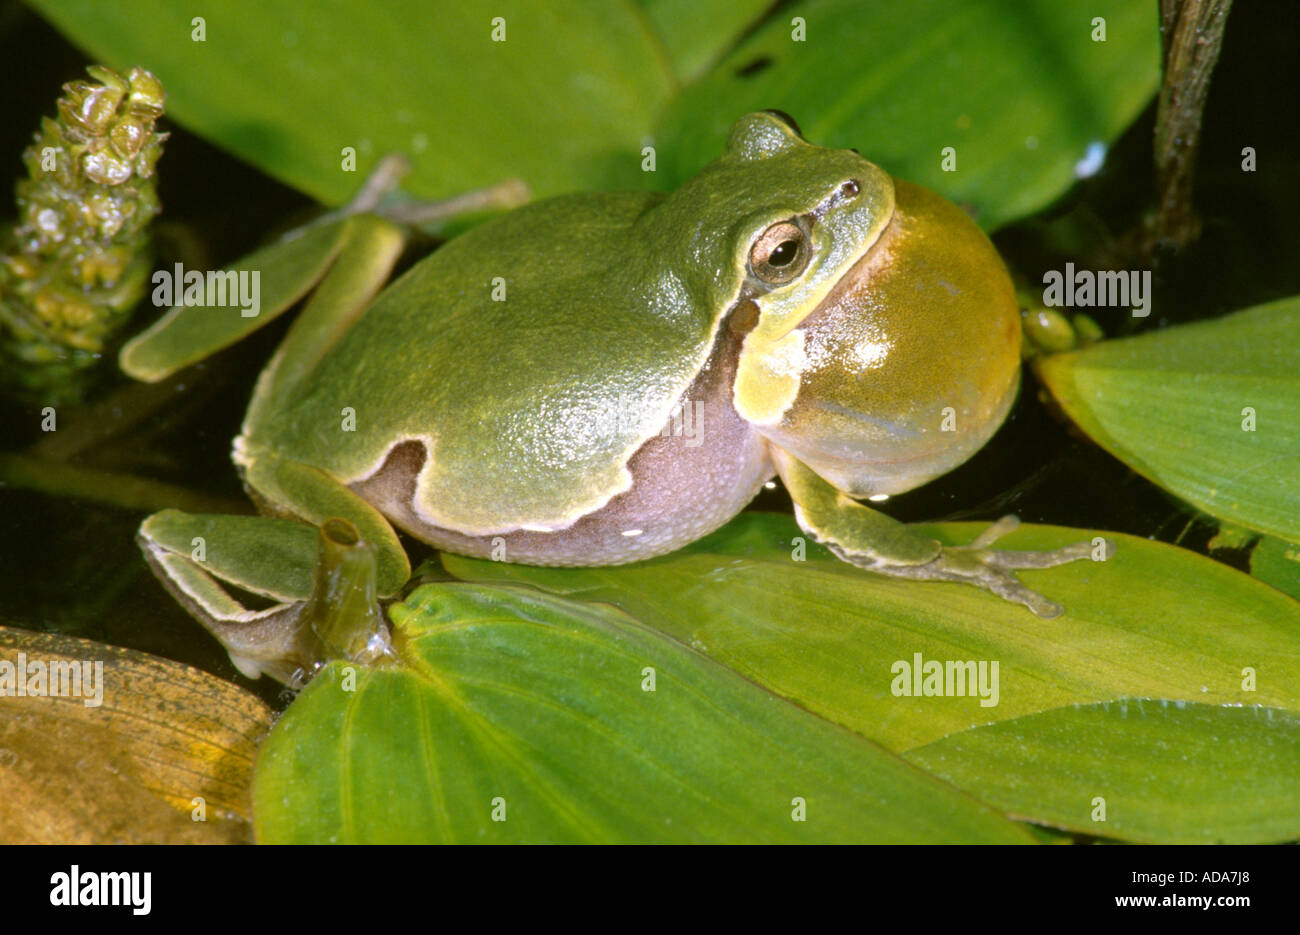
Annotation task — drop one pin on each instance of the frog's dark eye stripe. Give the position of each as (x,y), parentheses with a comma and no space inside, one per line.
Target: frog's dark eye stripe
(780,253)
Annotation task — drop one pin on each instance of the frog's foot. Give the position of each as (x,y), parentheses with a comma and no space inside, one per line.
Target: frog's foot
(379,194)
(382,181)
(510,193)
(987,568)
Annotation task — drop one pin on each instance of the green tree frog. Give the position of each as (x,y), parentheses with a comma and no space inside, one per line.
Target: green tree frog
(601,378)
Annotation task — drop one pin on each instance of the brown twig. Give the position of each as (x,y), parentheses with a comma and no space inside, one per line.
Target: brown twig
(1191,33)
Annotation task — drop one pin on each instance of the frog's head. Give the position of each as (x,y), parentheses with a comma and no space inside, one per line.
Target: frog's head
(882,337)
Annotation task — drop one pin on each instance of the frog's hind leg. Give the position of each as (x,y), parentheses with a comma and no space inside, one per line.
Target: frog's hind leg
(299,491)
(880,543)
(322,566)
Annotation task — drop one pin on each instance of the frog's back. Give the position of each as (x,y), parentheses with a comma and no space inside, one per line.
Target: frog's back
(531,357)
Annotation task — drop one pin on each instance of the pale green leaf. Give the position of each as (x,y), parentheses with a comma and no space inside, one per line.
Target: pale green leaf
(1206,410)
(1154,621)
(526,718)
(1277,562)
(1151,770)
(697,32)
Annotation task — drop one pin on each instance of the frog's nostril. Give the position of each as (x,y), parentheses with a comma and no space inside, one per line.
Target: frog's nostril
(850,189)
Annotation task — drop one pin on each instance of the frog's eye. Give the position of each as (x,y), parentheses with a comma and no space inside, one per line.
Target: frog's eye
(780,254)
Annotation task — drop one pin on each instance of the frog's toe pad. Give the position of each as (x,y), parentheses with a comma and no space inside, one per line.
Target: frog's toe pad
(994,569)
(1011,558)
(991,569)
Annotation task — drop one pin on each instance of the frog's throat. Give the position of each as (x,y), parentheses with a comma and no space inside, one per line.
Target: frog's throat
(772,360)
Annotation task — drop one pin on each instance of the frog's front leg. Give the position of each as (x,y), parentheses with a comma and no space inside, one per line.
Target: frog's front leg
(879,543)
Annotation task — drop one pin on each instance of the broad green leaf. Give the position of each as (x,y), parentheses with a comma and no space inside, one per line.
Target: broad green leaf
(536,709)
(569,98)
(1020,91)
(1167,771)
(565,101)
(135,750)
(1277,562)
(1154,621)
(1206,410)
(697,32)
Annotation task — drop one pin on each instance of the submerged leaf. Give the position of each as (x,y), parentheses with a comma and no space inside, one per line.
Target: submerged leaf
(145,751)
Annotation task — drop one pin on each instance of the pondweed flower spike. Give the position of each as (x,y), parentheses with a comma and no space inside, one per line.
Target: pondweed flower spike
(77,260)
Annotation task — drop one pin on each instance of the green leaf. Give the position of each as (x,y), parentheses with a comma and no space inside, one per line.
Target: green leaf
(564,101)
(1168,772)
(697,32)
(535,708)
(1277,562)
(1207,411)
(1154,621)
(571,96)
(1020,91)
